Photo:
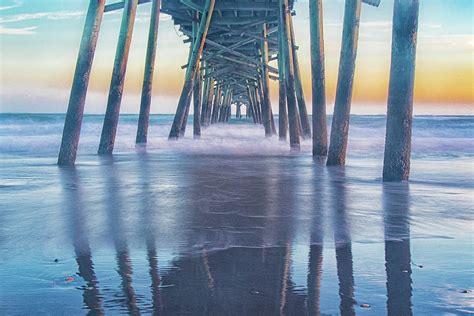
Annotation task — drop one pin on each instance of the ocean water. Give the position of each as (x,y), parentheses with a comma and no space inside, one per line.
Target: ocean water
(233,223)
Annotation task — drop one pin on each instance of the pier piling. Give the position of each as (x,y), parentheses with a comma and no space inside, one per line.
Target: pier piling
(318,83)
(77,99)
(290,76)
(229,64)
(197,99)
(109,129)
(342,107)
(303,112)
(144,117)
(400,99)
(282,107)
(265,83)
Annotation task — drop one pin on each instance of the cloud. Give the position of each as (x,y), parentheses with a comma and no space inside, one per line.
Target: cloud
(18,31)
(12,6)
(59,15)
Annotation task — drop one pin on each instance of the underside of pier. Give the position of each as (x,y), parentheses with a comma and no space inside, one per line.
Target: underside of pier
(236,47)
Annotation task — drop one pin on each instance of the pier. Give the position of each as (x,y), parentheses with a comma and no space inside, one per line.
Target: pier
(232,44)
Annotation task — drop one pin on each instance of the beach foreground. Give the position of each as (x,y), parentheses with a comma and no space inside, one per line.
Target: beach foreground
(233,223)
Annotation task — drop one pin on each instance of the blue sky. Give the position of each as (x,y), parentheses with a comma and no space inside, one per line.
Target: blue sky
(39,41)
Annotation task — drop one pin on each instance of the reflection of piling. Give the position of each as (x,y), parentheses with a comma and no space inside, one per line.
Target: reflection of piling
(73,197)
(315,262)
(400,99)
(397,249)
(315,269)
(116,227)
(342,238)
(148,209)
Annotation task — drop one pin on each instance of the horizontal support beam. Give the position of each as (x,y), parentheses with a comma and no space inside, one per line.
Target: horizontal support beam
(193,5)
(120,5)
(374,3)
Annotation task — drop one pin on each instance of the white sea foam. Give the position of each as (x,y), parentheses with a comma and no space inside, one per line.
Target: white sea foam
(41,135)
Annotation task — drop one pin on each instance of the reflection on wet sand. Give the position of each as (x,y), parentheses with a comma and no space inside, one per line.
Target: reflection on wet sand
(235,256)
(397,248)
(77,227)
(115,214)
(315,261)
(148,207)
(342,239)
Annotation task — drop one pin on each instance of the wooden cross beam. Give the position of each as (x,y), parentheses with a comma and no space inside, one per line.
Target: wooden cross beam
(374,3)
(193,5)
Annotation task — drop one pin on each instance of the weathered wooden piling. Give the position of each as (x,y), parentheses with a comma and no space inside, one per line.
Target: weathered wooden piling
(198,47)
(282,109)
(342,107)
(272,122)
(303,112)
(184,124)
(144,117)
(238,113)
(400,99)
(265,83)
(257,103)
(75,111)
(197,105)
(205,96)
(251,105)
(222,106)
(215,106)
(318,84)
(109,129)
(290,76)
(210,103)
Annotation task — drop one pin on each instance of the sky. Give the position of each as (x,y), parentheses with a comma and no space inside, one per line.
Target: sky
(39,42)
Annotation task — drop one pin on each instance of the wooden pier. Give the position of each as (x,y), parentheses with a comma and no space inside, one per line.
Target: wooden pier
(232,44)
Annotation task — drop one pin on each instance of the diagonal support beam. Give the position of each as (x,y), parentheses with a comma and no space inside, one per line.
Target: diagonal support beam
(198,47)
(121,5)
(192,5)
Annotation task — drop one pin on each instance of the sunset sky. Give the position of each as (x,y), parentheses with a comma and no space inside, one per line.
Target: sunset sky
(39,42)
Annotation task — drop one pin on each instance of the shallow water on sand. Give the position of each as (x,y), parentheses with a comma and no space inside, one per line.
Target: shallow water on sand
(233,223)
